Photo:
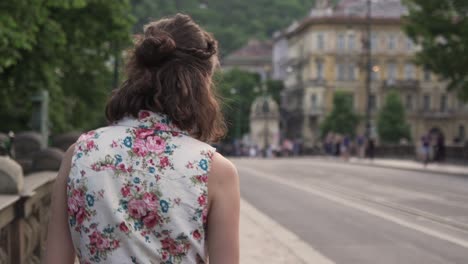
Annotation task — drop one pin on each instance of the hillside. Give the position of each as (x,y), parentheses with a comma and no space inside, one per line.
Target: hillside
(232,22)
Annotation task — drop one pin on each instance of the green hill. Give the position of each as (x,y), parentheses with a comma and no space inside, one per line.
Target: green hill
(233,22)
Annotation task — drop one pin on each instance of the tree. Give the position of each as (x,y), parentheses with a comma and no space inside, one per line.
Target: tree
(441,28)
(238,89)
(342,118)
(391,122)
(232,22)
(64,47)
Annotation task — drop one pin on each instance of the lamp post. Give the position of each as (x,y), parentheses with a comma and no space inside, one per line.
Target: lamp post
(234,92)
(368,67)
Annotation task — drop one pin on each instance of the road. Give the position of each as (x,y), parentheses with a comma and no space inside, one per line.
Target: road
(362,214)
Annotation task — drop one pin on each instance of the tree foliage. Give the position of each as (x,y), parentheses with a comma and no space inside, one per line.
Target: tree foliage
(342,119)
(64,47)
(238,89)
(441,28)
(232,22)
(391,122)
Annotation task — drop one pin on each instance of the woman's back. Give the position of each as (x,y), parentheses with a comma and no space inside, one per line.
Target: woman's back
(137,193)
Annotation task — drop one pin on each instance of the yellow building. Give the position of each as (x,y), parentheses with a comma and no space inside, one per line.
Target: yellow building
(325,54)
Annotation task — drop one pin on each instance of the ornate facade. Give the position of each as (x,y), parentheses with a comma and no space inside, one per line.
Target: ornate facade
(326,54)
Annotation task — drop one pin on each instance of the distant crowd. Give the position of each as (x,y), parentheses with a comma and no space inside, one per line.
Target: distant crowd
(344,146)
(430,147)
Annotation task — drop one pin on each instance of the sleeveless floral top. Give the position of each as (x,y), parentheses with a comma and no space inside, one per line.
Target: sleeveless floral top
(137,193)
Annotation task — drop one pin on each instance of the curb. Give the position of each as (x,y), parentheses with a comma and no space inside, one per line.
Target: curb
(459,174)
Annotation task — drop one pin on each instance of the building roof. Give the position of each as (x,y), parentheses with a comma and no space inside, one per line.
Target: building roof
(253,51)
(351,12)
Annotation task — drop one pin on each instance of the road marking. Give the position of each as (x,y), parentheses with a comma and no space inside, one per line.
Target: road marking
(301,249)
(364,208)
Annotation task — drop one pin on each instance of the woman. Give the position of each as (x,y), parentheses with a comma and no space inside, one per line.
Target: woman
(137,190)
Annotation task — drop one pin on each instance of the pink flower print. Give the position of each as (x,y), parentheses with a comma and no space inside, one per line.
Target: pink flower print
(140,148)
(125,191)
(202,178)
(143,114)
(122,167)
(90,144)
(164,161)
(123,227)
(86,136)
(161,127)
(76,201)
(151,220)
(73,205)
(102,243)
(92,250)
(165,256)
(137,209)
(143,133)
(155,144)
(196,235)
(151,201)
(81,215)
(115,244)
(180,249)
(93,238)
(205,215)
(202,200)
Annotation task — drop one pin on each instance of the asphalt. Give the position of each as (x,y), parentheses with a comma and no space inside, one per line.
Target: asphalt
(362,214)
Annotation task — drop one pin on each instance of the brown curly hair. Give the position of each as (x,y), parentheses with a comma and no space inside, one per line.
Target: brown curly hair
(170,71)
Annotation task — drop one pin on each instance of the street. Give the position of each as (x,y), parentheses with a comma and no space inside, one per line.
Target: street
(360,214)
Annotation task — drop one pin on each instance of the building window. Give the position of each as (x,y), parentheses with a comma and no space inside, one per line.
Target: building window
(409,71)
(409,44)
(391,42)
(372,102)
(374,41)
(443,103)
(351,42)
(461,133)
(409,102)
(341,72)
(426,102)
(427,74)
(341,41)
(391,72)
(351,72)
(319,69)
(320,41)
(313,101)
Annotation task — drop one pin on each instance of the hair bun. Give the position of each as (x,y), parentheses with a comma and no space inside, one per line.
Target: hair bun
(153,50)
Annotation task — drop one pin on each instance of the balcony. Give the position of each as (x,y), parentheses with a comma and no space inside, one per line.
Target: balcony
(401,84)
(315,83)
(437,114)
(315,111)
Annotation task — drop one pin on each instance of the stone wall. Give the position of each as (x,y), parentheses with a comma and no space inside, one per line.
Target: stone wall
(24,205)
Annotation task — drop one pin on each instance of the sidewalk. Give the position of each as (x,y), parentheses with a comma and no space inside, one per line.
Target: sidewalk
(414,165)
(262,240)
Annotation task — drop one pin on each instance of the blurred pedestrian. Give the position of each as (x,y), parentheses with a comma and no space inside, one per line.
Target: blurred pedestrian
(361,149)
(147,188)
(346,147)
(440,148)
(337,145)
(371,148)
(426,148)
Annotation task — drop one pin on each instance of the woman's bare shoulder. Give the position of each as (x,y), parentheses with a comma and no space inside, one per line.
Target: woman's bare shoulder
(223,171)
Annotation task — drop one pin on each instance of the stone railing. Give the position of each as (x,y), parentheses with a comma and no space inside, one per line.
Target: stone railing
(25,196)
